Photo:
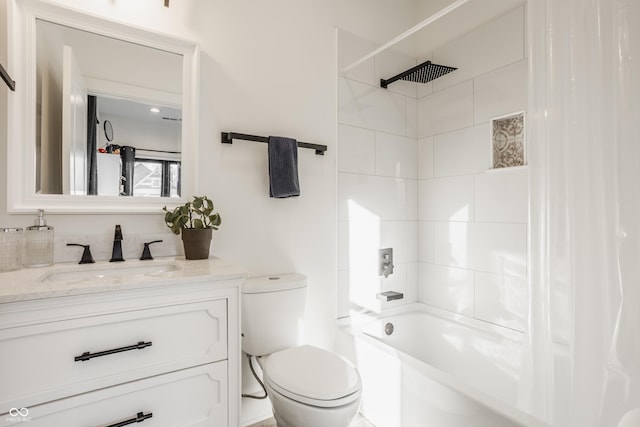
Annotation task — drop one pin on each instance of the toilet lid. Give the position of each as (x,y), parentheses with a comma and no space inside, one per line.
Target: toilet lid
(311,375)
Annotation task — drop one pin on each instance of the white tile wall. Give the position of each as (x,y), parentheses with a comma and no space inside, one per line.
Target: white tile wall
(395,282)
(489,47)
(356,150)
(413,164)
(359,289)
(377,183)
(343,302)
(452,244)
(412,117)
(472,229)
(371,107)
(402,236)
(412,200)
(446,199)
(462,152)
(501,300)
(500,92)
(396,156)
(447,288)
(425,158)
(446,110)
(502,195)
(488,247)
(343,245)
(366,197)
(426,241)
(411,291)
(498,248)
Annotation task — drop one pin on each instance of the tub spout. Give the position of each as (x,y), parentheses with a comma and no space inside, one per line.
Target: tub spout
(389,295)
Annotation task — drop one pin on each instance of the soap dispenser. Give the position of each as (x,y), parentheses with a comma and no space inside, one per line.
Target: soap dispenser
(39,243)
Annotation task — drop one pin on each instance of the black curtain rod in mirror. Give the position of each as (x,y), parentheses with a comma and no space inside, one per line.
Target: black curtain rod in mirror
(228,137)
(7,79)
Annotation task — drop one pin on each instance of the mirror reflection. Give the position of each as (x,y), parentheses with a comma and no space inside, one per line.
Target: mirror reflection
(108,115)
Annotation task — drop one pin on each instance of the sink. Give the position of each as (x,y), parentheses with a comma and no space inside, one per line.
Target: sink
(115,271)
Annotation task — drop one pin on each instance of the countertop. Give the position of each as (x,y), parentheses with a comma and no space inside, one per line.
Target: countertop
(103,276)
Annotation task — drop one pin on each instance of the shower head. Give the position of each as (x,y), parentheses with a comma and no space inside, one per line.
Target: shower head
(422,73)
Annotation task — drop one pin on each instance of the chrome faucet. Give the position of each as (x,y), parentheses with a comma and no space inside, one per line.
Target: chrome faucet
(385,262)
(116,253)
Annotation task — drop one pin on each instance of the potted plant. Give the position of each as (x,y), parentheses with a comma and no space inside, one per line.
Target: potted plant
(195,219)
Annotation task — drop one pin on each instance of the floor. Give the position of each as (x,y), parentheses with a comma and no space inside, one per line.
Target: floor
(359,421)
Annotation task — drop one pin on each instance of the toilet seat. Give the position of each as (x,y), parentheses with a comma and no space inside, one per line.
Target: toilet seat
(312,376)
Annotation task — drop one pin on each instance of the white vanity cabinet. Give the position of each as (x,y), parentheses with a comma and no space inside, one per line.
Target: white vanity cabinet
(163,355)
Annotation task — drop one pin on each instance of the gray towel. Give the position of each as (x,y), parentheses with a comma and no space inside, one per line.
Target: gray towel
(283,167)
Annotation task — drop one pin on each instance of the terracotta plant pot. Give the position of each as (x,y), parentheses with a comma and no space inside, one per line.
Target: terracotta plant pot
(196,242)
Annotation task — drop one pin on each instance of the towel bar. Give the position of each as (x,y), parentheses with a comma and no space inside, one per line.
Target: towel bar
(228,137)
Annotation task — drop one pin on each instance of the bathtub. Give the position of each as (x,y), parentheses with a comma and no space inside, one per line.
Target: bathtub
(424,367)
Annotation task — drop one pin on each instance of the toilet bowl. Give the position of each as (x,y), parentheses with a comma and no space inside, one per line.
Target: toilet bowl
(311,387)
(307,386)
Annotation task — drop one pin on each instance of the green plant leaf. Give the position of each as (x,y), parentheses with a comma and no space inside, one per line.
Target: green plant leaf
(196,214)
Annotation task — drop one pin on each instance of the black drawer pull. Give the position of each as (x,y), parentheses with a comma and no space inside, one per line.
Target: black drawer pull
(140,417)
(87,355)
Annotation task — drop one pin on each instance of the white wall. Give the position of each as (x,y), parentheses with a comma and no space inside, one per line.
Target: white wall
(256,82)
(472,220)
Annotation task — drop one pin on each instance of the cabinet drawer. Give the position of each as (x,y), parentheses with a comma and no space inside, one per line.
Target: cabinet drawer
(191,397)
(38,363)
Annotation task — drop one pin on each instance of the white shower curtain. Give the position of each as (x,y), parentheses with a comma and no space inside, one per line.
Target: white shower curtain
(582,367)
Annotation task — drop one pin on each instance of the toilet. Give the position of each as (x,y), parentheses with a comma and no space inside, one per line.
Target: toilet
(308,386)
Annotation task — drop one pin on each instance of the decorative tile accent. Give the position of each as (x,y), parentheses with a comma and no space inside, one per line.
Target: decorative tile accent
(507,141)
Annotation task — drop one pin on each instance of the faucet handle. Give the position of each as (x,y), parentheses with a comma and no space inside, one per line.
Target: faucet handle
(87,258)
(385,262)
(146,252)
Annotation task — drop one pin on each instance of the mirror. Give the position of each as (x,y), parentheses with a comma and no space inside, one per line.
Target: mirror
(85,79)
(106,115)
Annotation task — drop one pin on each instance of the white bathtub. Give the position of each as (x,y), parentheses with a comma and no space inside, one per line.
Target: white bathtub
(436,369)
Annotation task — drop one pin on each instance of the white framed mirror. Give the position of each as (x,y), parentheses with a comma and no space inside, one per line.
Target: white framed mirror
(104,119)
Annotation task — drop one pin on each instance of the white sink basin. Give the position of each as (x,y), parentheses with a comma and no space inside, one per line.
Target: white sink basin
(115,271)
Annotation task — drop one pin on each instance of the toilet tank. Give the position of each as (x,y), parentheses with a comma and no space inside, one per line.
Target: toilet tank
(273,313)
